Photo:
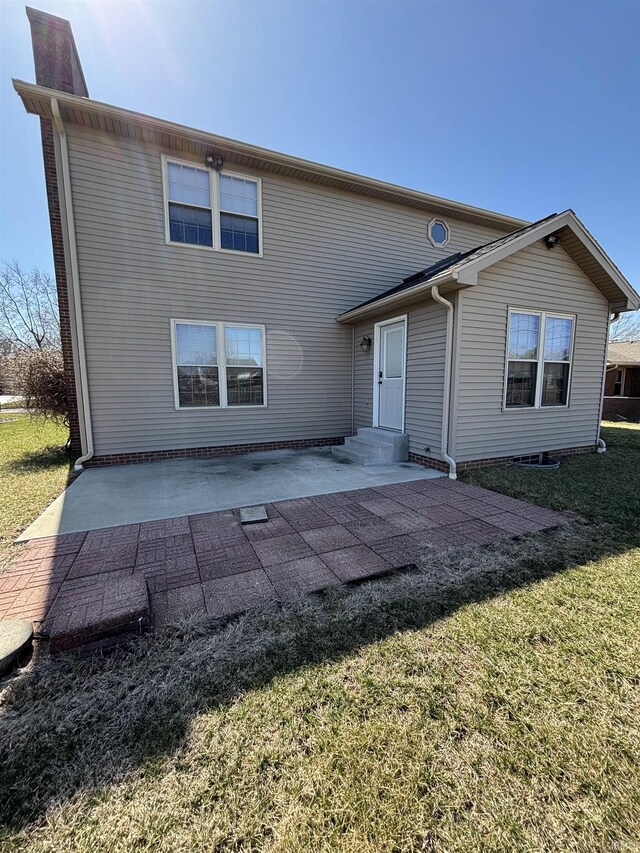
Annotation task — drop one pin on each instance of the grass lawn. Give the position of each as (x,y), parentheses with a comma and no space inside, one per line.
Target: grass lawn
(490,701)
(34,467)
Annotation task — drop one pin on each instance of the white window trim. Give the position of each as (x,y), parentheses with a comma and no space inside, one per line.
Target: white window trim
(221,364)
(165,194)
(258,182)
(540,361)
(214,194)
(623,371)
(437,219)
(377,334)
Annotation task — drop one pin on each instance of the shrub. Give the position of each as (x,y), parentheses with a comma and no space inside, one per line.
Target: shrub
(38,377)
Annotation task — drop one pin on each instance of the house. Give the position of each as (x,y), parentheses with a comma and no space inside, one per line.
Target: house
(622,382)
(217,297)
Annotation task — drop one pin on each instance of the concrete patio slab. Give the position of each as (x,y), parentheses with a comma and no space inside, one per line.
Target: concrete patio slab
(128,494)
(96,585)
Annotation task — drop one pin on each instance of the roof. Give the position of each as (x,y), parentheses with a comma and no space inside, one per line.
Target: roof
(454,261)
(199,143)
(624,353)
(462,269)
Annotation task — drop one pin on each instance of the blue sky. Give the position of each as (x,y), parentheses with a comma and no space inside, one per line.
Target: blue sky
(522,107)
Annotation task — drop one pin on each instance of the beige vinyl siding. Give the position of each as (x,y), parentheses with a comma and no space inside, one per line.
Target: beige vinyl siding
(425,378)
(363,377)
(538,279)
(324,251)
(426,328)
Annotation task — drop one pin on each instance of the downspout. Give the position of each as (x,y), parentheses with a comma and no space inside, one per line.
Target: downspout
(600,444)
(353,377)
(75,284)
(446,401)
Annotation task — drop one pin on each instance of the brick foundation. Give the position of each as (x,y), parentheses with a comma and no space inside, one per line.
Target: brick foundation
(427,462)
(209,452)
(474,464)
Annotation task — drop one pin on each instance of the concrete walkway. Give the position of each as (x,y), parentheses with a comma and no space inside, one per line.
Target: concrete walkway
(131,494)
(88,585)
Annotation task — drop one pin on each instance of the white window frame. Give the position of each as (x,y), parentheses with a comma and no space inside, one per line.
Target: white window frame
(220,326)
(623,376)
(438,221)
(165,191)
(540,361)
(214,196)
(258,182)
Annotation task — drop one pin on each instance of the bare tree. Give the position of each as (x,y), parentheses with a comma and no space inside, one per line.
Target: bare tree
(627,328)
(28,308)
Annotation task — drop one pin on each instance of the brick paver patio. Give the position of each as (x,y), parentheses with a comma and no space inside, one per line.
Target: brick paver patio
(212,563)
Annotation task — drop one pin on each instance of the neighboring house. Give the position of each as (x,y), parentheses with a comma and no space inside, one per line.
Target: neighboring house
(622,382)
(219,297)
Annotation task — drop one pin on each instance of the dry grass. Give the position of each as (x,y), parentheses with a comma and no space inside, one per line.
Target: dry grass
(487,702)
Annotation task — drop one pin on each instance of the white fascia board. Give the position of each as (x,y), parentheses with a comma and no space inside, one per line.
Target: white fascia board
(33,92)
(467,273)
(394,299)
(599,254)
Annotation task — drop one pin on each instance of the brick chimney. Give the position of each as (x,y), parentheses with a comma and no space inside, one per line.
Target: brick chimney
(55,54)
(58,67)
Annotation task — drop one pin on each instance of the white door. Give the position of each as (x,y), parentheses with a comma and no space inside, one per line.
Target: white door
(391,341)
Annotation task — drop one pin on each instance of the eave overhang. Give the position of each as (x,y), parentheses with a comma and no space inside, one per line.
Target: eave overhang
(447,282)
(579,244)
(574,238)
(198,143)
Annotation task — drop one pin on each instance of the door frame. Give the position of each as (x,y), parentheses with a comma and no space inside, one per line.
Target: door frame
(376,369)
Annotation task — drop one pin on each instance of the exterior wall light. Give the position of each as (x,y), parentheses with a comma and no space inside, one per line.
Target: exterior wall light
(214,162)
(552,241)
(365,343)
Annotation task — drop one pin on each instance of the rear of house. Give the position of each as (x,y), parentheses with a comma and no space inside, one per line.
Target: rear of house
(218,297)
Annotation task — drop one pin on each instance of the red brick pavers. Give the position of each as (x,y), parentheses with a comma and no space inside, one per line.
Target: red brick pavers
(211,563)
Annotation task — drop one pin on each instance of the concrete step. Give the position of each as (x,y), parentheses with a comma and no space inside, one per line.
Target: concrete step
(374,447)
(97,611)
(375,435)
(347,454)
(383,452)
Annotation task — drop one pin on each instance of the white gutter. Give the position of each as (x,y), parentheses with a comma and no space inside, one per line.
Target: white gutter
(446,400)
(34,96)
(601,445)
(75,284)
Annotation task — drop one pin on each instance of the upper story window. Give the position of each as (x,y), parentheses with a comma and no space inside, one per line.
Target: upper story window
(239,217)
(618,382)
(189,207)
(218,364)
(539,355)
(438,232)
(212,210)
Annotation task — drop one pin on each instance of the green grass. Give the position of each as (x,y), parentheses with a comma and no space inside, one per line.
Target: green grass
(600,486)
(34,469)
(488,702)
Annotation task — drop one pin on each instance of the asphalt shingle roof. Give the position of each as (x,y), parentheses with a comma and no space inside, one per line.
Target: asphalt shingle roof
(452,261)
(624,353)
